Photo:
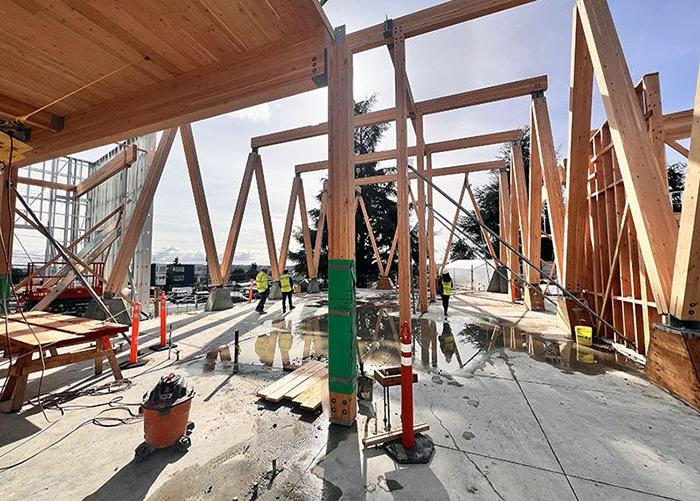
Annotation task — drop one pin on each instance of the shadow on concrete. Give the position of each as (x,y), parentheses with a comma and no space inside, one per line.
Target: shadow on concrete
(343,475)
(134,480)
(14,428)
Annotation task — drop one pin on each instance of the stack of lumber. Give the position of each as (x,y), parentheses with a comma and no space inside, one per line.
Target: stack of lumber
(305,386)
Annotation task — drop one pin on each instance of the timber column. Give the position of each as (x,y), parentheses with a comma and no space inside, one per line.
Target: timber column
(8,177)
(342,339)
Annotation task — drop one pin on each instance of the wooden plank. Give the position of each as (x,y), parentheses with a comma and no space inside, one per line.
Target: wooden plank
(267,221)
(200,202)
(293,383)
(319,375)
(313,397)
(131,235)
(370,231)
(550,174)
(685,293)
(309,366)
(388,436)
(122,160)
(430,19)
(657,231)
(306,232)
(651,86)
(581,83)
(286,236)
(237,219)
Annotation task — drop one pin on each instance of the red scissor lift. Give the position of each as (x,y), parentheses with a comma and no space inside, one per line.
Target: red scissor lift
(74,297)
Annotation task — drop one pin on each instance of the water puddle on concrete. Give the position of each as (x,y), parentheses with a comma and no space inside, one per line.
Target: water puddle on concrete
(446,347)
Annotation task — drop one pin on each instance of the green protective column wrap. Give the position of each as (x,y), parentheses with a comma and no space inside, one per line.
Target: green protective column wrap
(4,292)
(342,327)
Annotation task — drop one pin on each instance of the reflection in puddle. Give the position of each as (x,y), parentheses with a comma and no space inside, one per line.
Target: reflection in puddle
(439,346)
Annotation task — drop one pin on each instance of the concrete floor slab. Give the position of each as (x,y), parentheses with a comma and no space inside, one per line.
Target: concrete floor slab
(615,435)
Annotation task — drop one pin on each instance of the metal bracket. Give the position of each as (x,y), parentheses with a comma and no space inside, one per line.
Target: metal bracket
(321,80)
(388,28)
(537,93)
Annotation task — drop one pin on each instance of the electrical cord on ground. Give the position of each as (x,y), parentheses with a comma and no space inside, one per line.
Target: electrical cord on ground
(100,419)
(491,232)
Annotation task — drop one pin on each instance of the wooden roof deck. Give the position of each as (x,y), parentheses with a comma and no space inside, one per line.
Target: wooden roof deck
(188,59)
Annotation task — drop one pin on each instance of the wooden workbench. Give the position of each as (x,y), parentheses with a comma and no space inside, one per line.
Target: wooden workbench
(40,331)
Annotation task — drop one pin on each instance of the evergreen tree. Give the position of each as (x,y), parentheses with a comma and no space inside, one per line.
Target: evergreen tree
(676,182)
(380,201)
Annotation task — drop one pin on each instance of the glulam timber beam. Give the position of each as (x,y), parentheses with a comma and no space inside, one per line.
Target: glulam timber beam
(580,101)
(342,340)
(437,172)
(466,99)
(685,293)
(647,193)
(237,219)
(430,19)
(42,183)
(412,151)
(200,202)
(11,109)
(123,159)
(678,125)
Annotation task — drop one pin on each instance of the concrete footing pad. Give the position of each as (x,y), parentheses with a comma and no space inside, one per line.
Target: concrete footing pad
(385,284)
(218,300)
(312,287)
(117,307)
(275,292)
(420,454)
(499,280)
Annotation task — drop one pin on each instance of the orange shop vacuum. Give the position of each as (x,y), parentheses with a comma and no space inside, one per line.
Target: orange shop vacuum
(166,413)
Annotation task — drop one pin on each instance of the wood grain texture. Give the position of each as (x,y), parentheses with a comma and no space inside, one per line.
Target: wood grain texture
(200,202)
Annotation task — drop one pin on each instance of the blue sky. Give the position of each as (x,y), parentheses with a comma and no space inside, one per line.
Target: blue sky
(531,40)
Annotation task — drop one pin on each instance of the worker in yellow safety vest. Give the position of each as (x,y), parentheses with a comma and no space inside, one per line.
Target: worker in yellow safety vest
(263,286)
(286,286)
(445,290)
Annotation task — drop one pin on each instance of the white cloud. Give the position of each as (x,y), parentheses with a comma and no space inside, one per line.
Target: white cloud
(261,113)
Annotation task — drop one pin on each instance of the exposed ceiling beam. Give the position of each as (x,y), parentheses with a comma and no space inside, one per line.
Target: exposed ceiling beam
(10,109)
(430,19)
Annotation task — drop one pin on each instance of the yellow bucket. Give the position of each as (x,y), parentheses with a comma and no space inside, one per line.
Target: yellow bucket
(584,335)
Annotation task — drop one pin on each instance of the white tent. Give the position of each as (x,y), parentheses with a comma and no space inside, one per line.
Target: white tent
(471,274)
